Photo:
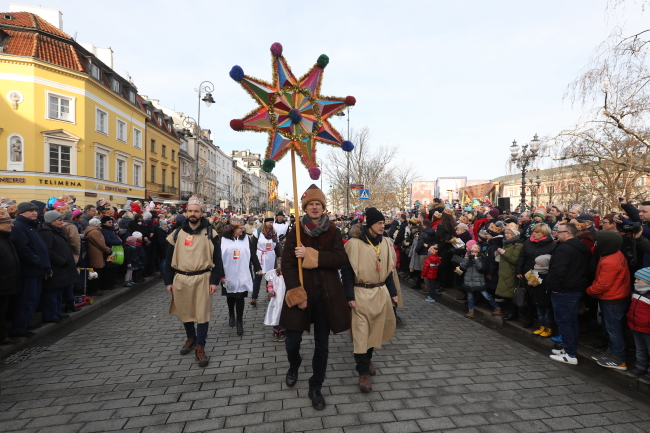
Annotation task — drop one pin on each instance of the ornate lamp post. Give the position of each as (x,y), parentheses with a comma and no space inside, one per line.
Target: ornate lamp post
(208,88)
(523,160)
(533,186)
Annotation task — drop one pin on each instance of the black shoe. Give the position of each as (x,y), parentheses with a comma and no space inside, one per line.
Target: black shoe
(55,320)
(317,400)
(231,321)
(399,322)
(69,307)
(240,327)
(527,324)
(63,316)
(24,334)
(292,377)
(36,326)
(512,315)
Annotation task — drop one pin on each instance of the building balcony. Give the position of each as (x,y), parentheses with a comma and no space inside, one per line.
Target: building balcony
(168,190)
(185,195)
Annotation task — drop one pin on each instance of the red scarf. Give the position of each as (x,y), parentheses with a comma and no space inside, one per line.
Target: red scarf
(532,239)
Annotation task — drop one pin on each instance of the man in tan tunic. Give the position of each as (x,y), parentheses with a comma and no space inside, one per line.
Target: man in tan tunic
(192,272)
(370,289)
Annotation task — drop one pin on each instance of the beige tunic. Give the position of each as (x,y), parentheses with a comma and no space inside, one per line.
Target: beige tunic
(191,300)
(373,320)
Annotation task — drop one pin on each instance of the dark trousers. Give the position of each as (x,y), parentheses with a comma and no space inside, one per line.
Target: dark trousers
(4,308)
(363,361)
(614,320)
(52,303)
(68,293)
(235,302)
(257,282)
(321,340)
(642,342)
(26,303)
(565,308)
(200,332)
(106,277)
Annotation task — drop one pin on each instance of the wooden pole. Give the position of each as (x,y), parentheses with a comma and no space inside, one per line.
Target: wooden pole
(295,209)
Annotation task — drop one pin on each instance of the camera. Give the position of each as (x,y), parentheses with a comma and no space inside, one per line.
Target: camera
(630,228)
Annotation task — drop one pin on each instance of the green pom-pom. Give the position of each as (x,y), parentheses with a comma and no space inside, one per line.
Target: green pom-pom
(268,165)
(322,61)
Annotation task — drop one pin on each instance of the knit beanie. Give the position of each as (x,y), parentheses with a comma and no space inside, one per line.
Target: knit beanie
(540,212)
(463,227)
(373,216)
(51,216)
(146,215)
(543,260)
(643,274)
(95,222)
(470,244)
(136,235)
(131,240)
(76,213)
(494,213)
(514,231)
(313,193)
(26,206)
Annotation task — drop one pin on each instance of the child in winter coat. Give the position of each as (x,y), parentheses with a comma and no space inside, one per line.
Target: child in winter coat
(276,289)
(430,271)
(131,260)
(475,280)
(638,319)
(138,270)
(541,295)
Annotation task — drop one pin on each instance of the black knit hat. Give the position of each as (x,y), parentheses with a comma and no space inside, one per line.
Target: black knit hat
(373,216)
(106,219)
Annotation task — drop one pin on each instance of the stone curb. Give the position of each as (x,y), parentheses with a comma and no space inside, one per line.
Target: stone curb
(99,302)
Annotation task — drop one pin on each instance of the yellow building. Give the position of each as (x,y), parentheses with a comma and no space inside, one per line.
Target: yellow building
(162,148)
(69,124)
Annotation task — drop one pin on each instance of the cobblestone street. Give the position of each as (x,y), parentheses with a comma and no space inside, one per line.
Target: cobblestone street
(443,372)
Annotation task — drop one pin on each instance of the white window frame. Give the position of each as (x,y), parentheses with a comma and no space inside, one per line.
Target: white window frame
(137,180)
(72,101)
(132,98)
(50,164)
(115,85)
(123,158)
(95,72)
(100,149)
(105,125)
(118,136)
(137,138)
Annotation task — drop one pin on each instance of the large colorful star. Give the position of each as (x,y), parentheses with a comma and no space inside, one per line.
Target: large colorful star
(292,111)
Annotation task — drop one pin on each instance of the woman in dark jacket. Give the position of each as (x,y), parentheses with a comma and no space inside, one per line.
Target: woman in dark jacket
(107,273)
(9,268)
(539,243)
(64,267)
(445,231)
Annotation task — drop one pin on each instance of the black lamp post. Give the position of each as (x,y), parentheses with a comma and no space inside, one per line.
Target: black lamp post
(208,88)
(533,186)
(523,160)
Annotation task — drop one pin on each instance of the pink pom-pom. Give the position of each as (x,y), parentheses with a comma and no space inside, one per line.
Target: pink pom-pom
(314,173)
(350,101)
(237,124)
(276,49)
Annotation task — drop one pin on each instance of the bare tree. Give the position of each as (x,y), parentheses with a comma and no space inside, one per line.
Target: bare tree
(404,175)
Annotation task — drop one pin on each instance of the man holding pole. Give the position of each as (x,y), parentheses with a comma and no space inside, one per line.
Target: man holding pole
(312,257)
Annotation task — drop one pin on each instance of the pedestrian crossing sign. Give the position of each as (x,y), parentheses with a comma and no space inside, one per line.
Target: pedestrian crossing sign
(364,194)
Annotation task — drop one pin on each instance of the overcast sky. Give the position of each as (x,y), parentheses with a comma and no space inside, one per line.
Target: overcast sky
(451,84)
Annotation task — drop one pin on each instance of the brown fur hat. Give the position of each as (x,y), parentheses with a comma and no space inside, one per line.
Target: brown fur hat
(313,193)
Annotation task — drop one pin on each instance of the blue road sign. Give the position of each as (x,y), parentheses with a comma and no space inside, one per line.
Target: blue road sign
(364,194)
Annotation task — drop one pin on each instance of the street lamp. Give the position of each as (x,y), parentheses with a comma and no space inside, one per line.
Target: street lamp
(208,88)
(347,183)
(533,186)
(523,159)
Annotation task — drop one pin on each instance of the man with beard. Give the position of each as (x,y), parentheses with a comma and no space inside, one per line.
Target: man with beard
(319,298)
(193,268)
(370,290)
(250,226)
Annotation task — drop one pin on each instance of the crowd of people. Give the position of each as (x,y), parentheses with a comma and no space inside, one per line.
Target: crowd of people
(553,268)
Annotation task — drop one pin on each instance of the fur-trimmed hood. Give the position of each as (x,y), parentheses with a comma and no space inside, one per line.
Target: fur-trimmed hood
(355,231)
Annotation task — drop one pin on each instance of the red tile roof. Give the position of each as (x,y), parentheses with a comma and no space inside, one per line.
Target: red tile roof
(26,19)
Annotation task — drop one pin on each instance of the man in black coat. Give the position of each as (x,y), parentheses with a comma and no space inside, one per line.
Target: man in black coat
(9,266)
(34,264)
(568,278)
(64,266)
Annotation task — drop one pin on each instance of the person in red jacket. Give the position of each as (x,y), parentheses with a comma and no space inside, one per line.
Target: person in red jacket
(612,287)
(638,319)
(430,271)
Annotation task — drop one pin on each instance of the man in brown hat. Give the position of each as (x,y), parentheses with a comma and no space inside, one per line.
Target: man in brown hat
(319,298)
(193,269)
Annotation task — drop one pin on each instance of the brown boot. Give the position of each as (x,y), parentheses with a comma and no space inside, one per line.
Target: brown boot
(253,302)
(190,344)
(470,314)
(497,312)
(372,370)
(364,383)
(200,356)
